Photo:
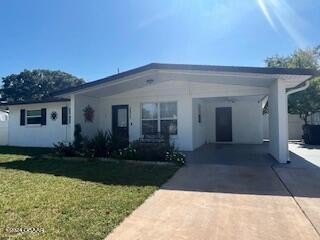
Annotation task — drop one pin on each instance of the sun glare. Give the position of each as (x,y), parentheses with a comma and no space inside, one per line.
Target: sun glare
(281,14)
(266,13)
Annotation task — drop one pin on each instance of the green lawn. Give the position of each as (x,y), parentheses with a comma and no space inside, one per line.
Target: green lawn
(70,200)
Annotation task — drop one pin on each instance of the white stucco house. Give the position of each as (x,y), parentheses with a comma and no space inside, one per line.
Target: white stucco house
(198,104)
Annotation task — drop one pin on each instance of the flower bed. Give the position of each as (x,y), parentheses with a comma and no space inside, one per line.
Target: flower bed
(105,146)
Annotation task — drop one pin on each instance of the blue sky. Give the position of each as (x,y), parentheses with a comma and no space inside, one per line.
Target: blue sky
(91,39)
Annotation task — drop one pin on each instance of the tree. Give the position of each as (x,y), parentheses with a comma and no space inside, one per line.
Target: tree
(306,102)
(301,58)
(36,84)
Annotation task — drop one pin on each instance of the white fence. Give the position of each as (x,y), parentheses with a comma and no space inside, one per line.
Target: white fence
(315,119)
(294,124)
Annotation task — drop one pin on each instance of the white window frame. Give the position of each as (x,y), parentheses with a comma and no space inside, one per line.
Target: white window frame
(158,119)
(36,116)
(148,119)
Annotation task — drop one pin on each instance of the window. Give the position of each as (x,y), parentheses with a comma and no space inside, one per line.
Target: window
(69,115)
(33,117)
(168,118)
(159,117)
(149,118)
(122,117)
(64,115)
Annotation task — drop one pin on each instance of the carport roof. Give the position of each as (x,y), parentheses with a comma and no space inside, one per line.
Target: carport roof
(191,67)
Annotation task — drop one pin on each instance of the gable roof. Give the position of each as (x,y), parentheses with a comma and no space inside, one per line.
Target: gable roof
(164,66)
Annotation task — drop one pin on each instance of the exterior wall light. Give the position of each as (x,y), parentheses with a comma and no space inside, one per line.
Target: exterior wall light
(149,81)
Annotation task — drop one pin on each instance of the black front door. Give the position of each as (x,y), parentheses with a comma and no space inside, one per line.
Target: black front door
(120,122)
(224,124)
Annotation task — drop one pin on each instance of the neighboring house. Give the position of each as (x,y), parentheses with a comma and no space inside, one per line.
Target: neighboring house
(4,119)
(197,104)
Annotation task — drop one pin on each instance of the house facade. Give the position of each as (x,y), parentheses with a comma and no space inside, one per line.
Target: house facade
(196,104)
(39,124)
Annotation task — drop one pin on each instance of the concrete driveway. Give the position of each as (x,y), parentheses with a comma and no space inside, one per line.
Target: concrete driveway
(231,192)
(302,179)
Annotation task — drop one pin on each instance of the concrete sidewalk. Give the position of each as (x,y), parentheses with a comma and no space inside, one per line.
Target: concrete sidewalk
(222,201)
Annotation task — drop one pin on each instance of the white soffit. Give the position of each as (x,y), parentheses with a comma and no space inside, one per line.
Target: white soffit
(139,80)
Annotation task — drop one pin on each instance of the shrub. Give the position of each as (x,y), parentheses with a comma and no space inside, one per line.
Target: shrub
(64,149)
(157,152)
(105,144)
(115,143)
(175,157)
(151,151)
(78,139)
(98,146)
(70,149)
(87,150)
(128,153)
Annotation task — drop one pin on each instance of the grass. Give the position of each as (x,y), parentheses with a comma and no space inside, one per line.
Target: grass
(70,200)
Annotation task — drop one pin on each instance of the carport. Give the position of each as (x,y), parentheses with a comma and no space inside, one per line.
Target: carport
(232,112)
(232,154)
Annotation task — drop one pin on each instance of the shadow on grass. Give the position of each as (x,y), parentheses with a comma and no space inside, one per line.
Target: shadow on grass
(97,171)
(28,151)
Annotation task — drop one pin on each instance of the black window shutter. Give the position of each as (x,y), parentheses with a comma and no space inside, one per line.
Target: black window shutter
(64,117)
(22,117)
(43,116)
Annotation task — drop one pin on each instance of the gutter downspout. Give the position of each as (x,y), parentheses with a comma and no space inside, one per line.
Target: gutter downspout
(307,84)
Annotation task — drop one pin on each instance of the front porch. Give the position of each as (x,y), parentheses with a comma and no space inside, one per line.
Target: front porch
(197,120)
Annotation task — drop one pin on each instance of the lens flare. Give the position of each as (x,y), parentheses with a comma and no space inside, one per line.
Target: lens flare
(280,14)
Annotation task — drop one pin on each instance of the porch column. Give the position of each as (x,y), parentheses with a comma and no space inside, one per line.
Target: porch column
(278,121)
(72,120)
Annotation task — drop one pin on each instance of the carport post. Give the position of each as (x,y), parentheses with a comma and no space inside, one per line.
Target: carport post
(73,115)
(278,121)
